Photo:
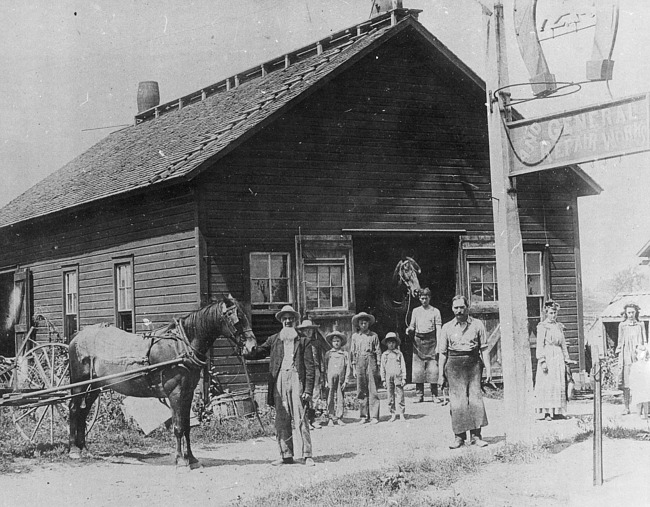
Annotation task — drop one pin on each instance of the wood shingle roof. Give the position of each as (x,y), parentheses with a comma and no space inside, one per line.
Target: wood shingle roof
(178,144)
(174,145)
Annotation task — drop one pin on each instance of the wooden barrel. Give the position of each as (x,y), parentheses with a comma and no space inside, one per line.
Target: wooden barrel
(231,405)
(148,95)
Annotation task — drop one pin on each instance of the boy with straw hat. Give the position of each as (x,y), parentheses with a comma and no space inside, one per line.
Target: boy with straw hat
(393,374)
(366,356)
(338,373)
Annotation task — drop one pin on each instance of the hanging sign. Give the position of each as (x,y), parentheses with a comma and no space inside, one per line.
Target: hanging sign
(601,15)
(587,134)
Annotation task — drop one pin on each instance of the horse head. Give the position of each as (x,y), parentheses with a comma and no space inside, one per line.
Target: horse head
(236,322)
(407,270)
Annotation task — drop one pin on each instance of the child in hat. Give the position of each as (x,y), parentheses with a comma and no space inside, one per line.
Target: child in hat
(366,357)
(393,374)
(338,373)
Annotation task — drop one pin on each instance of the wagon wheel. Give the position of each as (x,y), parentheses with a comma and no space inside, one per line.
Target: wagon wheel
(45,367)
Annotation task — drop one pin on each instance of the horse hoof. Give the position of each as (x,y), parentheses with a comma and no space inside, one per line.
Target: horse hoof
(182,464)
(74,454)
(195,465)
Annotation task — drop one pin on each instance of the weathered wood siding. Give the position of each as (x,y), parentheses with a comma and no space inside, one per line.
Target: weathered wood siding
(157,231)
(399,141)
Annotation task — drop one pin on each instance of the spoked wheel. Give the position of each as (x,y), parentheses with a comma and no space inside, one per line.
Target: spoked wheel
(46,419)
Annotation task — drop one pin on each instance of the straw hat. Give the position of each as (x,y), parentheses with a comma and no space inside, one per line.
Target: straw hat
(362,315)
(307,324)
(391,336)
(287,309)
(336,334)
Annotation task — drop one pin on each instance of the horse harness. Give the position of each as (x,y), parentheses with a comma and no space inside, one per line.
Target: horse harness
(192,358)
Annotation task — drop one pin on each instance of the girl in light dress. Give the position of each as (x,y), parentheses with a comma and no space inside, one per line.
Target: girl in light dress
(640,380)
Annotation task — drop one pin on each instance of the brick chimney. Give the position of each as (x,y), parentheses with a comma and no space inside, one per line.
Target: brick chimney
(384,6)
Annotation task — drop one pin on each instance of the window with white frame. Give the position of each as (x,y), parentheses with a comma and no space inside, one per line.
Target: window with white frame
(70,302)
(482,280)
(124,295)
(270,279)
(325,284)
(535,287)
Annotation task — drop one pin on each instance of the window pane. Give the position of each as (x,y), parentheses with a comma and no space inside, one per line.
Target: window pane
(337,297)
(534,307)
(474,272)
(476,291)
(259,266)
(279,268)
(488,273)
(323,276)
(534,285)
(280,292)
(311,274)
(312,298)
(489,292)
(337,276)
(259,291)
(533,262)
(324,298)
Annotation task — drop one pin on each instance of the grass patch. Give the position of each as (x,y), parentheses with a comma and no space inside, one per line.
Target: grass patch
(407,485)
(416,483)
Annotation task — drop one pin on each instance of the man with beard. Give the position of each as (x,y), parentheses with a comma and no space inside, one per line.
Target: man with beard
(291,384)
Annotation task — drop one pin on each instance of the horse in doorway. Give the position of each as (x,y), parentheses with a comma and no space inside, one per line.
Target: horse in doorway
(100,351)
(407,271)
(394,301)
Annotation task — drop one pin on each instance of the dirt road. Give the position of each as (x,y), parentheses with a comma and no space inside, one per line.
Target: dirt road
(243,470)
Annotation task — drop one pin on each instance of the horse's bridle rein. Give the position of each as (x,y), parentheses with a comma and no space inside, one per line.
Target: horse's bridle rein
(234,324)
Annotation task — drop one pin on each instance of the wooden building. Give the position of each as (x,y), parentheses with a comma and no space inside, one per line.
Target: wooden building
(303,180)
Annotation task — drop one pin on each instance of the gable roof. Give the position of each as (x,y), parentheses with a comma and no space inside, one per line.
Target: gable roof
(185,136)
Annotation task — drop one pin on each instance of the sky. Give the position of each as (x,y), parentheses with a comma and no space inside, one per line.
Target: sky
(71,71)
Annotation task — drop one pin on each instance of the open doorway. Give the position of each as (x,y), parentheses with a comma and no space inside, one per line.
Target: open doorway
(377,292)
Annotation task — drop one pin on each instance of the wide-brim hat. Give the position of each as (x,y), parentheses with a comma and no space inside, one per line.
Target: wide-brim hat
(391,336)
(307,324)
(287,309)
(336,334)
(362,315)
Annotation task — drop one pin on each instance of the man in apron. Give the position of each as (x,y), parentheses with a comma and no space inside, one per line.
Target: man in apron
(425,327)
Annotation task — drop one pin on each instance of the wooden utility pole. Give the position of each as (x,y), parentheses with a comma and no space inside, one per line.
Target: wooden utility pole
(513,318)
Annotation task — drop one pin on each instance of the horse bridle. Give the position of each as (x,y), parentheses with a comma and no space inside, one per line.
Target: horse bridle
(232,321)
(402,278)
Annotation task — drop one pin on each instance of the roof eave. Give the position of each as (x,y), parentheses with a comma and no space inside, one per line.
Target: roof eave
(595,188)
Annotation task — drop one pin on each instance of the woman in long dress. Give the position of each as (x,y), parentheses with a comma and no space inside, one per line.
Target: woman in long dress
(631,334)
(552,354)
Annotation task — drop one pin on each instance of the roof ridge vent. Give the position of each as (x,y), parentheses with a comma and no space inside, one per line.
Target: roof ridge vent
(339,40)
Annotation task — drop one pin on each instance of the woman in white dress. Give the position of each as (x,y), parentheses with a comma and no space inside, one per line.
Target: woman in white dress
(631,335)
(552,355)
